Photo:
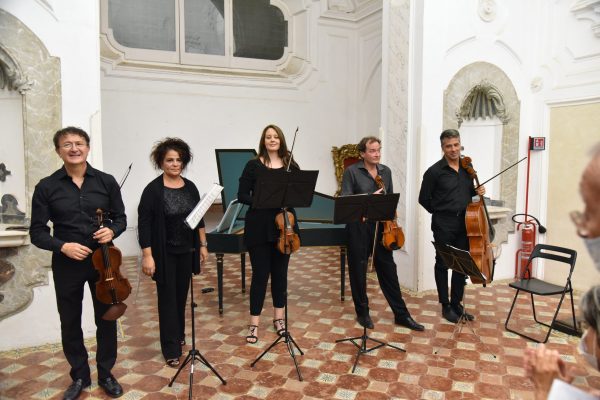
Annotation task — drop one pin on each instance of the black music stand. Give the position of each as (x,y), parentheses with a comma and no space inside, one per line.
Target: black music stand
(460,261)
(194,354)
(355,208)
(281,189)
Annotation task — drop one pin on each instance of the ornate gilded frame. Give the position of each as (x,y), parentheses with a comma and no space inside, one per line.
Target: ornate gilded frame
(341,154)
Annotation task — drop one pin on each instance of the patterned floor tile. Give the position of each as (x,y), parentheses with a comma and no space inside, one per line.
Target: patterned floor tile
(483,364)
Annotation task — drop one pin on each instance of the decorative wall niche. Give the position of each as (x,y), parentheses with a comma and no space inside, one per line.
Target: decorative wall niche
(27,67)
(482,90)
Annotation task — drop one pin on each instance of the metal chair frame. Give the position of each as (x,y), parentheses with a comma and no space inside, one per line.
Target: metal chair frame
(539,287)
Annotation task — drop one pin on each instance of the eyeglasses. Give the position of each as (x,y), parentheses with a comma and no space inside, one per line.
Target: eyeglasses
(69,145)
(580,222)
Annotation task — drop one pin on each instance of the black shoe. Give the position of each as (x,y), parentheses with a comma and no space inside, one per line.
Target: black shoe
(74,390)
(450,314)
(459,310)
(409,323)
(366,321)
(111,387)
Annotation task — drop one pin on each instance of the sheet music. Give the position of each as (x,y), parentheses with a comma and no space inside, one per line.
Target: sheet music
(193,219)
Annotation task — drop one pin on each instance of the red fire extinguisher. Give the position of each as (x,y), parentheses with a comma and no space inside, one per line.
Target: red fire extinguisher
(529,229)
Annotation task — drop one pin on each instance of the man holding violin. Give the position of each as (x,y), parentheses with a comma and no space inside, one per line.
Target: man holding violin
(361,178)
(446,191)
(69,198)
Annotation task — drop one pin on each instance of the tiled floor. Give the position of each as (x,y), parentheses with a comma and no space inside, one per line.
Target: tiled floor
(464,367)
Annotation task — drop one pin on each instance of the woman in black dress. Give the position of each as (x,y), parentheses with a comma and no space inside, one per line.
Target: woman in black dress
(261,233)
(171,250)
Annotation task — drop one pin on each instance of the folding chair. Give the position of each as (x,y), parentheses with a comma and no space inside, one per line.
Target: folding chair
(535,286)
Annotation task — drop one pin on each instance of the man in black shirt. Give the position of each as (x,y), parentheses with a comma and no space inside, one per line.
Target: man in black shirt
(359,178)
(69,198)
(446,191)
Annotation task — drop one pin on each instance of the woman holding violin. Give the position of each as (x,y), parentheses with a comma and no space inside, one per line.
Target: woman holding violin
(171,250)
(446,192)
(368,176)
(69,198)
(262,235)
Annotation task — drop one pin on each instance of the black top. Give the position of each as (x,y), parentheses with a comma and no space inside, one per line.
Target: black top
(357,180)
(152,224)
(73,210)
(445,190)
(260,225)
(179,202)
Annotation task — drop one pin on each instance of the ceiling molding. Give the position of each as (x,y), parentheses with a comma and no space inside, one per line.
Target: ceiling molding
(588,10)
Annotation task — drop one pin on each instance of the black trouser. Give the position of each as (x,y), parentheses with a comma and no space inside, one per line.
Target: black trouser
(449,229)
(360,245)
(267,260)
(70,277)
(172,297)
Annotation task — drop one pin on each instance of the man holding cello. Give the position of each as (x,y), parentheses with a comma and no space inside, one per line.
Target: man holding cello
(69,198)
(360,178)
(446,191)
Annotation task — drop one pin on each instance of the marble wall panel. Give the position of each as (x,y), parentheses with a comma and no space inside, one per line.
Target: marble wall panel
(396,136)
(41,118)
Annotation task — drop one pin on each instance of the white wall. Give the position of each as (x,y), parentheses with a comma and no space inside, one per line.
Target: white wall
(69,30)
(337,103)
(534,43)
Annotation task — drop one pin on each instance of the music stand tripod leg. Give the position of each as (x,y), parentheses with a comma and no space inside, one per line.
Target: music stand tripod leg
(194,355)
(464,321)
(470,326)
(362,348)
(457,330)
(286,338)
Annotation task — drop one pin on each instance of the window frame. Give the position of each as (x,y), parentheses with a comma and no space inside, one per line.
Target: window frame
(179,59)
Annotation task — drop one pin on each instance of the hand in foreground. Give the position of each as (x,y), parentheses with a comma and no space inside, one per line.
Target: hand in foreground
(480,190)
(75,251)
(542,366)
(104,235)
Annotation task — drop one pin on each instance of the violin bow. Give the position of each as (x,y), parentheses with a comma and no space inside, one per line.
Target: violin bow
(501,172)
(137,290)
(292,150)
(138,261)
(124,178)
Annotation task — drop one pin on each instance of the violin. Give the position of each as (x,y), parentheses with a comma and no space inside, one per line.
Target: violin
(393,236)
(479,230)
(288,241)
(111,288)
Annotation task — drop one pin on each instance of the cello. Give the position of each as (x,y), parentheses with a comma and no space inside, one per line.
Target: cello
(479,230)
(112,287)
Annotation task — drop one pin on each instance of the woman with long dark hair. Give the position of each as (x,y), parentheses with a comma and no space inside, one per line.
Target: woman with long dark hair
(261,234)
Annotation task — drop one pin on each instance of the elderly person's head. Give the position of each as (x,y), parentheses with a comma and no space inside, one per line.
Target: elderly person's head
(588,222)
(589,346)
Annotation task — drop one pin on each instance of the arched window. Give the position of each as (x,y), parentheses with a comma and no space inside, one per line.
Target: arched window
(240,34)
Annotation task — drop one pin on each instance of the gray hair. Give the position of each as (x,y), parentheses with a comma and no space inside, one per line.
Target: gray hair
(449,134)
(590,309)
